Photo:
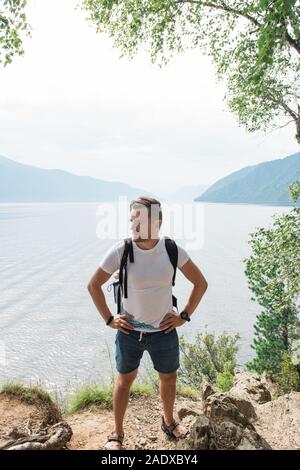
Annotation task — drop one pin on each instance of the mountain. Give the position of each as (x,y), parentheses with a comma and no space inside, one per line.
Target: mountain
(184,194)
(26,183)
(265,183)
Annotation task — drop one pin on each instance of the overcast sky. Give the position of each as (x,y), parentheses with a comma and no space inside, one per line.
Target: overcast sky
(72,103)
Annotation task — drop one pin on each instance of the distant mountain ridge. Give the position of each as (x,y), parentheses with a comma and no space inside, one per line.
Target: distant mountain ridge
(27,183)
(264,183)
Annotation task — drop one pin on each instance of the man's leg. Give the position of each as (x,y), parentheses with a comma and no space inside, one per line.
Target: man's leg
(168,394)
(121,398)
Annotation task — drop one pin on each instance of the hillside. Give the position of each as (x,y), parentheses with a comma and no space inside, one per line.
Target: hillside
(26,183)
(265,183)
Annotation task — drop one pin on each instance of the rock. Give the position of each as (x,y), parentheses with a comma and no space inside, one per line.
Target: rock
(227,435)
(184,411)
(220,407)
(270,385)
(200,435)
(244,406)
(238,395)
(205,434)
(245,418)
(250,387)
(279,421)
(245,445)
(224,426)
(222,434)
(140,444)
(206,390)
(251,440)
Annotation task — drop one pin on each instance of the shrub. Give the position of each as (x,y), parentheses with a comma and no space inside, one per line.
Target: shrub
(287,379)
(225,379)
(209,356)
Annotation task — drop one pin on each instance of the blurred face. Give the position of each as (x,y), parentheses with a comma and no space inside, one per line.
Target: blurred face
(141,226)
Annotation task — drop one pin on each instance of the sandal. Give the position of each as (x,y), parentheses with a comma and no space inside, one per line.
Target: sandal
(114,441)
(168,430)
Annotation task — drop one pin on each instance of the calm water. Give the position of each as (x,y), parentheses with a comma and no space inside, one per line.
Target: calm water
(50,330)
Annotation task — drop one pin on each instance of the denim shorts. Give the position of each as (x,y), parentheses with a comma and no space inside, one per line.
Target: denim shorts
(162,347)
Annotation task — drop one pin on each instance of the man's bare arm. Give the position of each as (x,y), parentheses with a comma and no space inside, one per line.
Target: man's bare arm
(194,275)
(96,292)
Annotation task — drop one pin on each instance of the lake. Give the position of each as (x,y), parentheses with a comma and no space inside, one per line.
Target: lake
(50,330)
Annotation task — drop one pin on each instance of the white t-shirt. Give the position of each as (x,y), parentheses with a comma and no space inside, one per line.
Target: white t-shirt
(149,282)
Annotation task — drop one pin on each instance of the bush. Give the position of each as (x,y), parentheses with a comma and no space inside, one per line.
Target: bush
(225,379)
(209,356)
(287,379)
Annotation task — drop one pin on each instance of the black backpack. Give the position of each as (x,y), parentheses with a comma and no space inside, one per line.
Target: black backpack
(120,286)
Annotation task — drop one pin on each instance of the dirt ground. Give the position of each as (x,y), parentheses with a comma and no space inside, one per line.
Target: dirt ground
(278,422)
(141,426)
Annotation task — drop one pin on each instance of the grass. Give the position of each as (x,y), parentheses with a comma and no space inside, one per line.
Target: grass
(29,394)
(142,389)
(188,392)
(97,396)
(91,396)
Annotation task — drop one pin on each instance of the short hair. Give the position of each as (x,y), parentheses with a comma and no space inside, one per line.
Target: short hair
(148,202)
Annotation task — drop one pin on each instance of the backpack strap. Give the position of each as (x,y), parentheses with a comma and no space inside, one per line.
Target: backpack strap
(172,251)
(128,249)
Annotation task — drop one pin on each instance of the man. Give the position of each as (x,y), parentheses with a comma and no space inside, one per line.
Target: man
(147,321)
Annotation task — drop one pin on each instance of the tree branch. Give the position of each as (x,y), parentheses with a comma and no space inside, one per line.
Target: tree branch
(54,438)
(224,7)
(279,100)
(279,127)
(293,42)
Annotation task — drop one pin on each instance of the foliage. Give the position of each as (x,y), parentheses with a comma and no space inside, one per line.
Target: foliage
(206,358)
(255,46)
(225,379)
(273,272)
(13,25)
(287,378)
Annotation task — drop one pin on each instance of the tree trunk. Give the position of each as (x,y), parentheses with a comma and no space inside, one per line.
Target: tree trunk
(298,126)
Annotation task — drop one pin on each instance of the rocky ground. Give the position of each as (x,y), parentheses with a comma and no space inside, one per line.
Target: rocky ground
(141,426)
(247,417)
